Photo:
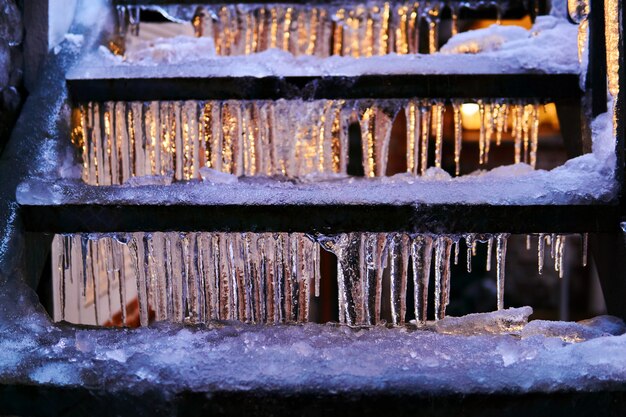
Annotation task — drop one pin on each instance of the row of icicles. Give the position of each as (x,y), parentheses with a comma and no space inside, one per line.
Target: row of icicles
(287,138)
(357,30)
(104,279)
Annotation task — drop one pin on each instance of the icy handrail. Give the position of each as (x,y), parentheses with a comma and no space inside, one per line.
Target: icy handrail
(262,277)
(290,138)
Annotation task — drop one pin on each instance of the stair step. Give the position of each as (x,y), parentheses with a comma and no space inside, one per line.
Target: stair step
(430,206)
(133,83)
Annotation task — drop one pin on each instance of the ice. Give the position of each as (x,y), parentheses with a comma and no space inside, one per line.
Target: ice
(484,40)
(567,331)
(149,180)
(607,324)
(291,138)
(191,277)
(129,279)
(55,373)
(233,357)
(216,177)
(549,46)
(552,40)
(169,52)
(349,29)
(510,320)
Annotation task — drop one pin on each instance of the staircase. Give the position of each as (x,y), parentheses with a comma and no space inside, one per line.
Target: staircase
(47,197)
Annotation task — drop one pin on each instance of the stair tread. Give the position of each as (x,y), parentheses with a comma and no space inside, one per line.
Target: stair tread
(437,76)
(369,205)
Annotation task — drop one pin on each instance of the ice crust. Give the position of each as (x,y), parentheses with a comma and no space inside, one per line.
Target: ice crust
(299,358)
(551,43)
(583,180)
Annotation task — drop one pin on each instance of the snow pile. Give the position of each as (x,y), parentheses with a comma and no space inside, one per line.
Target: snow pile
(551,41)
(549,46)
(511,320)
(484,40)
(300,358)
(170,50)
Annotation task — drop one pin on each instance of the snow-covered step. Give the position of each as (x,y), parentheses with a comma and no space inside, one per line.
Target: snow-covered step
(458,77)
(563,200)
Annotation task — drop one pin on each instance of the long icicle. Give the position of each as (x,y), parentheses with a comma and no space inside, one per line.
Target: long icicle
(458,135)
(421,253)
(501,240)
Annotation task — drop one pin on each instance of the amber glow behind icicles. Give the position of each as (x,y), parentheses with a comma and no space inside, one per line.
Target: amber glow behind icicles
(174,140)
(350,29)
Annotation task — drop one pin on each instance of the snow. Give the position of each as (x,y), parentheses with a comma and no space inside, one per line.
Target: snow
(214,176)
(549,46)
(509,321)
(551,42)
(228,356)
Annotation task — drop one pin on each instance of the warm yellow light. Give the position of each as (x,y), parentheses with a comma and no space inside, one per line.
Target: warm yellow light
(470,116)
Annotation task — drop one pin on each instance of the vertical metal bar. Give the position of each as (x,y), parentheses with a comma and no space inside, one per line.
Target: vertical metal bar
(596,70)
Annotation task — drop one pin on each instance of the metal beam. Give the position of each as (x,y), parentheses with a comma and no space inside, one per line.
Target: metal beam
(130,84)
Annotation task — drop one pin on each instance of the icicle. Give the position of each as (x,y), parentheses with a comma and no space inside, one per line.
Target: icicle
(421,253)
(541,244)
(197,21)
(376,123)
(398,261)
(443,246)
(489,251)
(454,11)
(558,257)
(501,240)
(134,18)
(438,110)
(119,268)
(457,248)
(501,121)
(469,242)
(160,274)
(527,242)
(137,254)
(482,135)
(585,245)
(316,272)
(412,113)
(62,245)
(380,264)
(425,132)
(347,249)
(302,275)
(458,135)
(489,126)
(432,19)
(534,134)
(369,274)
(526,130)
(518,121)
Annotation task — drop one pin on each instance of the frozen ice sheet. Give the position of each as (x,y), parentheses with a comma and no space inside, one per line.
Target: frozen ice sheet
(319,358)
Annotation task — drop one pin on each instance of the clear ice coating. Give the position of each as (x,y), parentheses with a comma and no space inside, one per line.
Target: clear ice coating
(166,140)
(136,278)
(350,29)
(184,277)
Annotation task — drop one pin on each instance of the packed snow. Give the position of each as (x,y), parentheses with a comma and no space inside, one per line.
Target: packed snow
(549,47)
(484,354)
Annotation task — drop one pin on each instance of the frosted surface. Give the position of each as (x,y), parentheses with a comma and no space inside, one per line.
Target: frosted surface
(548,47)
(323,358)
